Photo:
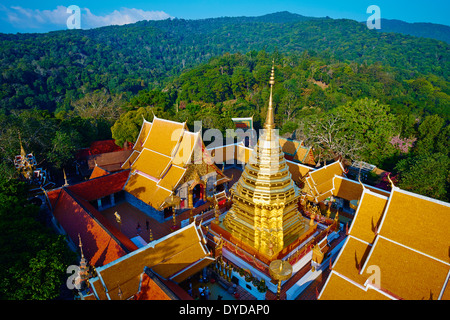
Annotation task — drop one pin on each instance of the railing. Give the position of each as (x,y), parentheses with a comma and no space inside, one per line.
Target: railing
(294,258)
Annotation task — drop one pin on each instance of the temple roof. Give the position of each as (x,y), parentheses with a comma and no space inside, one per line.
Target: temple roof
(160,157)
(102,242)
(329,181)
(296,151)
(405,237)
(76,218)
(98,172)
(173,258)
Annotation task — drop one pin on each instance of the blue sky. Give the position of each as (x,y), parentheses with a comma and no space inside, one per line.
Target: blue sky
(48,15)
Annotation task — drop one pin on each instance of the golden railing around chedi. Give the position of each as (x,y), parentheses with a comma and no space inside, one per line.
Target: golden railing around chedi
(247,257)
(294,258)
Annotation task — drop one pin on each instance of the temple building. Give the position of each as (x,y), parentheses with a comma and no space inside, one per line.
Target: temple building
(168,159)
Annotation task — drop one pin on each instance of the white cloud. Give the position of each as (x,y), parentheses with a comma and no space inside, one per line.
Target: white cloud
(119,17)
(25,18)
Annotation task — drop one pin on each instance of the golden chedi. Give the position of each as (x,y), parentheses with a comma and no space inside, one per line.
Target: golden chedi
(265,211)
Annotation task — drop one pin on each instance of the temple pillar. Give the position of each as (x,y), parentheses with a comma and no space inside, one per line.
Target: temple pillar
(203,191)
(190,199)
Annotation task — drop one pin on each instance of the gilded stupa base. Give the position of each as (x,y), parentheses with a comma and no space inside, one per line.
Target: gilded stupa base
(240,242)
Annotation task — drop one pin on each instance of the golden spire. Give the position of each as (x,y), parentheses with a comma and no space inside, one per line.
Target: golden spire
(22,150)
(65,178)
(81,246)
(270,124)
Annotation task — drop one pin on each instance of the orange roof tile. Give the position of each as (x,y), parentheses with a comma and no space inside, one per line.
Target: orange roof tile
(368,216)
(338,287)
(98,172)
(446,293)
(143,133)
(352,190)
(99,247)
(113,160)
(186,146)
(101,186)
(418,222)
(150,290)
(164,136)
(289,146)
(169,255)
(127,164)
(172,177)
(352,257)
(407,273)
(124,241)
(152,163)
(147,190)
(326,173)
(297,170)
(53,196)
(410,250)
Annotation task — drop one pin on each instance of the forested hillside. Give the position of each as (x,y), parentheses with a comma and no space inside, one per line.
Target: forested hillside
(417,29)
(62,90)
(50,70)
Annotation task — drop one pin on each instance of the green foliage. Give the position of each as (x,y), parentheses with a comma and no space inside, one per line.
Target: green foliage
(426,174)
(371,125)
(33,259)
(49,70)
(64,145)
(127,127)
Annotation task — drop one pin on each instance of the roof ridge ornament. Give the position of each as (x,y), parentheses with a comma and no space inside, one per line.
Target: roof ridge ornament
(390,180)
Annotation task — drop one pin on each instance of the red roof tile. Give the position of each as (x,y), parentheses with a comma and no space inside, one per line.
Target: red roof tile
(126,243)
(53,196)
(99,247)
(104,146)
(150,290)
(100,187)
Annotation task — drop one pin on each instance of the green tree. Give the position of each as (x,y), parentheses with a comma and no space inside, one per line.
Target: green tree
(63,146)
(127,127)
(429,134)
(371,125)
(33,259)
(426,174)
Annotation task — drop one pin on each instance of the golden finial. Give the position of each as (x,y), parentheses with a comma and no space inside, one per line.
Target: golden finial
(270,124)
(390,181)
(81,246)
(65,178)
(22,150)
